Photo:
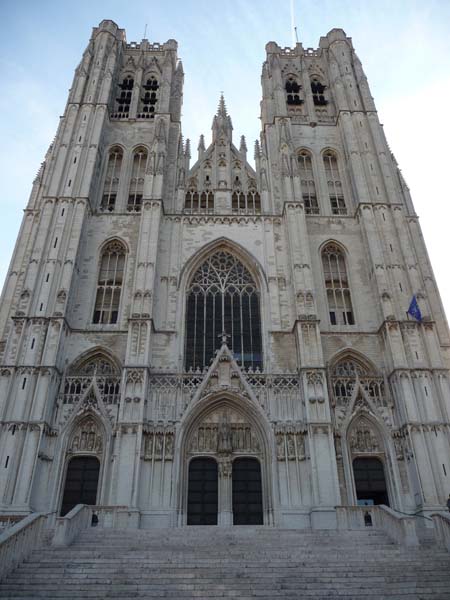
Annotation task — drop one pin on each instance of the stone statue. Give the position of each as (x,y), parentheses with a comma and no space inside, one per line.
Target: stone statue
(224,437)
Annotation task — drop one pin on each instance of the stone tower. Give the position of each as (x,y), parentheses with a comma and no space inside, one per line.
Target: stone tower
(218,343)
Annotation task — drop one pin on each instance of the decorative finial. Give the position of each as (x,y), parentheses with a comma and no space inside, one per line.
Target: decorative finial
(187,148)
(223,337)
(257,150)
(243,146)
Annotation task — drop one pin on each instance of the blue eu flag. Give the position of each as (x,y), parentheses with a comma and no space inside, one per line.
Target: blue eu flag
(414,310)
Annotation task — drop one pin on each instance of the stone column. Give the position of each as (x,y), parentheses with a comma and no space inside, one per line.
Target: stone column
(225,504)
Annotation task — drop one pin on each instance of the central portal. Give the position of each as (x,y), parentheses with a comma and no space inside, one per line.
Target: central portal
(225,469)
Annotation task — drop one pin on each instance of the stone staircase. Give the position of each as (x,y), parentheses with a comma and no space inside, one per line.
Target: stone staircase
(236,562)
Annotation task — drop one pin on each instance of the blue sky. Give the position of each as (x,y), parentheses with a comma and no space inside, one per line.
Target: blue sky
(404,46)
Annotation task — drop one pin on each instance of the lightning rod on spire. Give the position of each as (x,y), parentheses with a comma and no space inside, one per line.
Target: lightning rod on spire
(293,27)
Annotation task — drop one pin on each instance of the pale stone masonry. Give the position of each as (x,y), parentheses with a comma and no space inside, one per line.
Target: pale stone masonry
(171,331)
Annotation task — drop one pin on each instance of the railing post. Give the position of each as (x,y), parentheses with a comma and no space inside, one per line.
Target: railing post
(402,529)
(441,522)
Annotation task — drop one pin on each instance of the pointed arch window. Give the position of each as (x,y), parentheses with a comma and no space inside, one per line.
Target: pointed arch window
(149,98)
(137,180)
(109,285)
(337,286)
(308,183)
(334,182)
(123,100)
(223,298)
(318,92)
(111,186)
(293,88)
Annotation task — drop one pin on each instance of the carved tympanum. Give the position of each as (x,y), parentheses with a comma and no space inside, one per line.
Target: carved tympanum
(363,438)
(224,432)
(87,437)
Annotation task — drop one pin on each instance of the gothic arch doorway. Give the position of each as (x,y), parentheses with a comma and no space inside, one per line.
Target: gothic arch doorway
(81,483)
(370,482)
(202,492)
(224,440)
(84,459)
(368,456)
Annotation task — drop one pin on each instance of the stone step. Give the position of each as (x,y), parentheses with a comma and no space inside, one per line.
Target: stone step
(208,563)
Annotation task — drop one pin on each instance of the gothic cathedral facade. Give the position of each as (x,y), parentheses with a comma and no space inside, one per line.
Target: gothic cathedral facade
(211,342)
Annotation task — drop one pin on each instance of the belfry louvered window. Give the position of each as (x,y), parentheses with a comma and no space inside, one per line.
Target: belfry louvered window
(111,186)
(308,184)
(137,180)
(109,285)
(318,92)
(334,182)
(223,298)
(337,286)
(149,98)
(292,88)
(123,101)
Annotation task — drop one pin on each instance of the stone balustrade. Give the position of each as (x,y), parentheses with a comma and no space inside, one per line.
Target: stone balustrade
(441,523)
(400,528)
(356,517)
(83,516)
(115,517)
(67,528)
(7,521)
(18,541)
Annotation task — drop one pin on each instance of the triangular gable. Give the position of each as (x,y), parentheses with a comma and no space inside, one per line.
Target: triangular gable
(90,403)
(224,374)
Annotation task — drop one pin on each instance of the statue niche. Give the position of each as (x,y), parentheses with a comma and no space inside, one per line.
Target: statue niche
(87,437)
(224,432)
(363,438)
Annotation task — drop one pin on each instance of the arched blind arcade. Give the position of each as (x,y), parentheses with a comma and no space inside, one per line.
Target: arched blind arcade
(223,298)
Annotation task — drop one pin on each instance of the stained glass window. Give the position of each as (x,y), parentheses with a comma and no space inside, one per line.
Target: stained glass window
(223,298)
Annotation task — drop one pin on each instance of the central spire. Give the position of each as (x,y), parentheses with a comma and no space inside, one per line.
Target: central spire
(222,126)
